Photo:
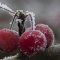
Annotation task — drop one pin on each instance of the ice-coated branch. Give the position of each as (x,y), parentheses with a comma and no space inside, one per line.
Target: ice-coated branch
(5,7)
(20,18)
(31,17)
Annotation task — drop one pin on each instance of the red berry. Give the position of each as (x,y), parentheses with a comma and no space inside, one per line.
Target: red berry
(31,42)
(47,31)
(8,40)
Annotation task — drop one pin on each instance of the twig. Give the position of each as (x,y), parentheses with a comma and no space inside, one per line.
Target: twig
(5,7)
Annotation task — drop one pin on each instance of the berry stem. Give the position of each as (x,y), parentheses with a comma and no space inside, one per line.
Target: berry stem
(19,15)
(31,19)
(21,28)
(32,22)
(11,25)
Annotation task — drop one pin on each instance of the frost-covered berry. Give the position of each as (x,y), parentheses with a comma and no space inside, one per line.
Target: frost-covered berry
(32,42)
(47,31)
(8,40)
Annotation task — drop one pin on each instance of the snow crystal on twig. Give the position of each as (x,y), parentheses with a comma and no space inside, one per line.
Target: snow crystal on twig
(4,6)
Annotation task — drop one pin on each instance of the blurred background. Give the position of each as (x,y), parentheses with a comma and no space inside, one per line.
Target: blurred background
(46,11)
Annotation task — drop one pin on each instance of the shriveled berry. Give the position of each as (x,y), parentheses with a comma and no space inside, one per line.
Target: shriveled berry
(8,40)
(32,42)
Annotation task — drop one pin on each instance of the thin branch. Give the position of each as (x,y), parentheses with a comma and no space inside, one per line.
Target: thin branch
(53,50)
(5,7)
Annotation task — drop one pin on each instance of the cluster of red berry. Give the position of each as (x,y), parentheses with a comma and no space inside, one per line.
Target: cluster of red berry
(30,42)
(38,40)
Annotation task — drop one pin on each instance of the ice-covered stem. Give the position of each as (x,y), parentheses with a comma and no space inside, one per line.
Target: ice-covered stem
(20,15)
(5,7)
(31,19)
(21,28)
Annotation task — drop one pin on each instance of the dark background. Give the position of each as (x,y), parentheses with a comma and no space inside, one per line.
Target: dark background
(47,12)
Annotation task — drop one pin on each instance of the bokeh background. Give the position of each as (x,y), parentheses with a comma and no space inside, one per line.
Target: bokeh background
(47,12)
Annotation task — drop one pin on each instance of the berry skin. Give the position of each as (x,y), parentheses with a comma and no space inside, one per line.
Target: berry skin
(31,42)
(8,40)
(47,31)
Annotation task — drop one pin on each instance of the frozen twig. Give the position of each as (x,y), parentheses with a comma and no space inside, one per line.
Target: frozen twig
(5,7)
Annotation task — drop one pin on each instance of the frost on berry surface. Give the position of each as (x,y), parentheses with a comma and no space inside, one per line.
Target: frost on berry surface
(8,40)
(47,31)
(32,42)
